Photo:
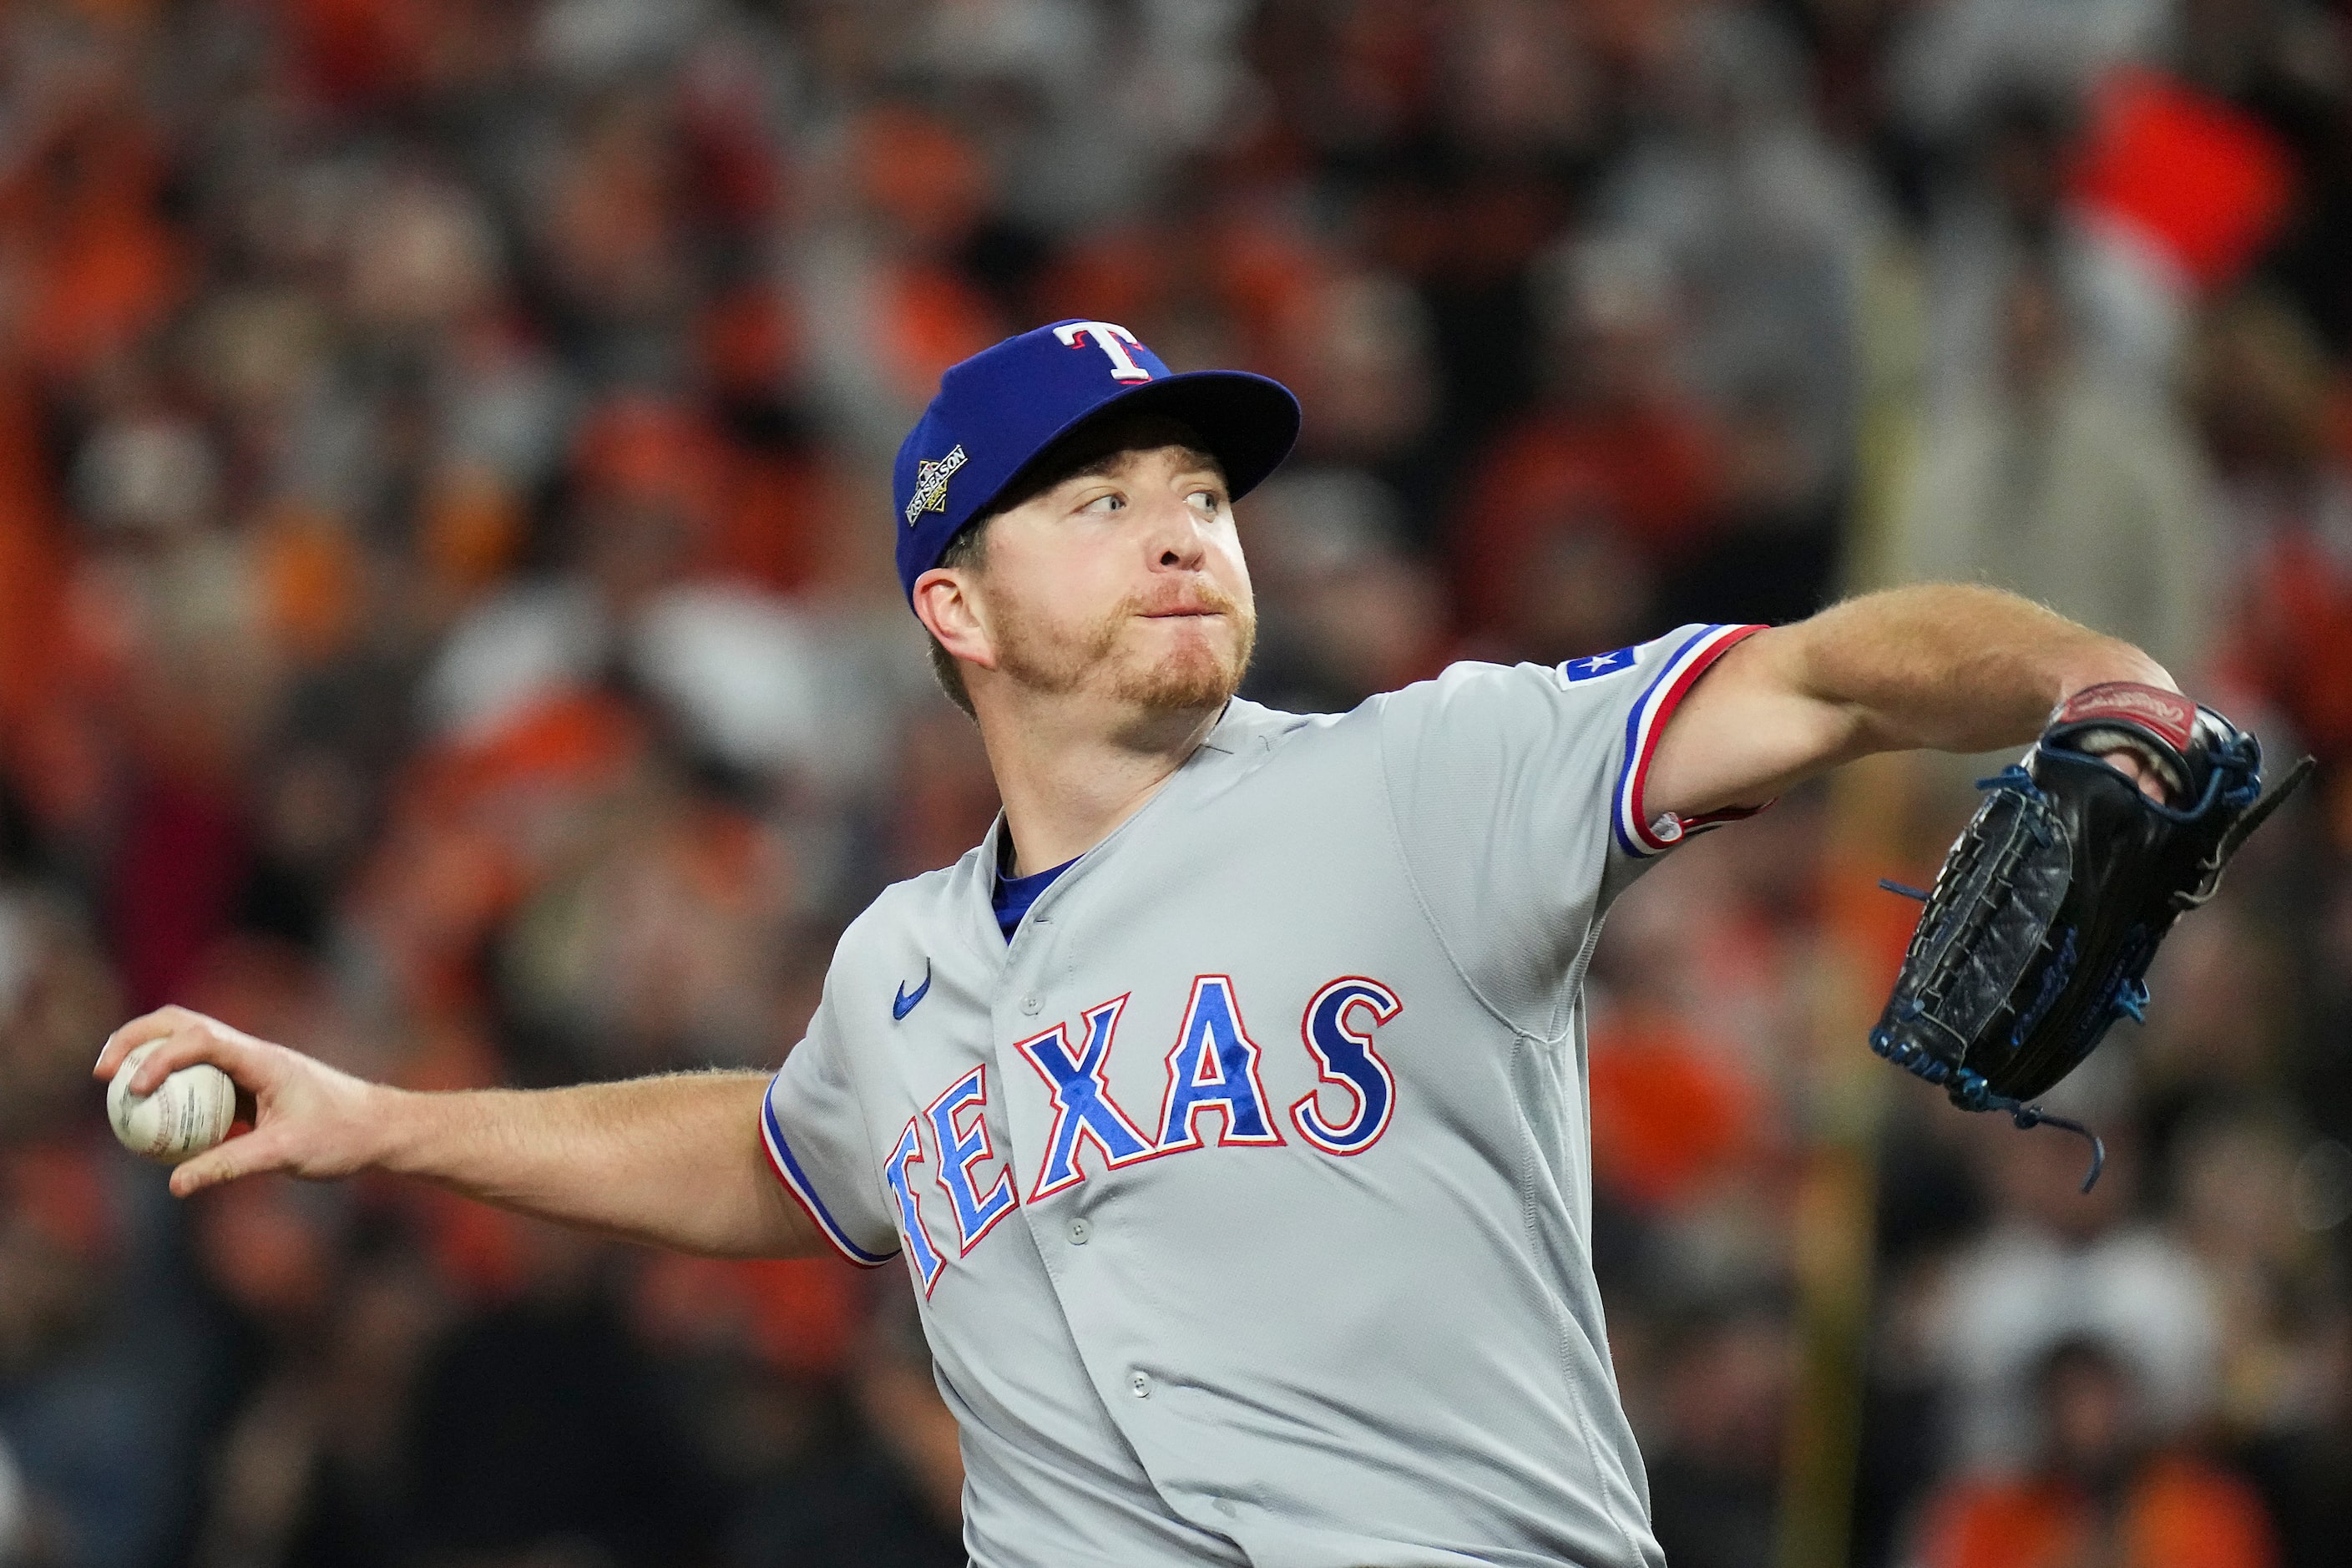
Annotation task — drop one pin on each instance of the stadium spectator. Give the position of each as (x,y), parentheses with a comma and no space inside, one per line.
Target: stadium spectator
(2098,1490)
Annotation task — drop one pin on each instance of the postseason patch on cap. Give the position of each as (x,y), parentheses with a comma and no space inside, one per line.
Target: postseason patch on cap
(932,484)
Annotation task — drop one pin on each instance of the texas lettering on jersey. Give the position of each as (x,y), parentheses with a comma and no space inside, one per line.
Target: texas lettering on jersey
(1212,1068)
(1141,1180)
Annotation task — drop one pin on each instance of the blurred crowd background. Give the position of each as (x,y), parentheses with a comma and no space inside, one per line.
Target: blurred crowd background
(446,623)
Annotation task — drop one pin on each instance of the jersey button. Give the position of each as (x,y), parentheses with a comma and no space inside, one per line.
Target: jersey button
(1029,1004)
(1079,1231)
(1141,1383)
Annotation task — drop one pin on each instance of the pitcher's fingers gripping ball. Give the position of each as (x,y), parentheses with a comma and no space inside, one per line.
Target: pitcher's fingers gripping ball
(189,1113)
(309,1119)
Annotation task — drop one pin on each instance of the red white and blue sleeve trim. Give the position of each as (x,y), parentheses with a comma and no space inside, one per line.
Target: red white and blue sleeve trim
(788,1171)
(1640,835)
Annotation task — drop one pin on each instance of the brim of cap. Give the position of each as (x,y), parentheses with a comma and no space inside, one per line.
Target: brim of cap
(1250,423)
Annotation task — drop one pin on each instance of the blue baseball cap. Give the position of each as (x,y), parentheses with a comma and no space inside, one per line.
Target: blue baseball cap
(999,409)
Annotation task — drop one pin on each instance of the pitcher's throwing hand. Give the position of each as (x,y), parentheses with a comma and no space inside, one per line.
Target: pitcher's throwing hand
(307,1119)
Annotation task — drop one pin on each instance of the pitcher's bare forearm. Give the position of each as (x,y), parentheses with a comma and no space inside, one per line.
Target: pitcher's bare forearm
(1950,667)
(674,1160)
(1942,665)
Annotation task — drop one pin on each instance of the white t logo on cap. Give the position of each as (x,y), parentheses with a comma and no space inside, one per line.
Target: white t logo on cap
(1109,336)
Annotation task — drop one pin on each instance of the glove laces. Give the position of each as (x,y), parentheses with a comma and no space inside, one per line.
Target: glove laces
(1970,1092)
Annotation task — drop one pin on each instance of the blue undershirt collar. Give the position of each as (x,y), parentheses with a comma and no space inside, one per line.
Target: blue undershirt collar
(1014,894)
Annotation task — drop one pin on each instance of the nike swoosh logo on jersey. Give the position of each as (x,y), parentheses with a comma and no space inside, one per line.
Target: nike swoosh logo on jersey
(902,1005)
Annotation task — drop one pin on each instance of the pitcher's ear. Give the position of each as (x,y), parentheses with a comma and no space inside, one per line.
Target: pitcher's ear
(950,611)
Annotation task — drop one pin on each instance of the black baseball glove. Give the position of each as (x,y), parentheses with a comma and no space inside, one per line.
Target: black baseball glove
(2038,933)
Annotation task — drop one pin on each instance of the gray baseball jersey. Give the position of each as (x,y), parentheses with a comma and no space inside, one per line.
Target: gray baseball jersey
(1247,1188)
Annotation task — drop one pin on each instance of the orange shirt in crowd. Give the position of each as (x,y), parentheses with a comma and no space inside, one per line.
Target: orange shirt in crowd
(1650,472)
(2293,640)
(2177,1513)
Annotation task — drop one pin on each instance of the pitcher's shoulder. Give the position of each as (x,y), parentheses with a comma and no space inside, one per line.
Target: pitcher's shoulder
(914,912)
(1245,726)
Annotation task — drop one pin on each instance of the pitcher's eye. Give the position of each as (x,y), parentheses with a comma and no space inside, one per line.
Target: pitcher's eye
(1105,503)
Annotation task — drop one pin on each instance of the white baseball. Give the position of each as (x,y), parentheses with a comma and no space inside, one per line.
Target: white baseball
(187,1114)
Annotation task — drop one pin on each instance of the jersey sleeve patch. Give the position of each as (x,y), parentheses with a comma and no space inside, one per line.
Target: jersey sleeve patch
(1616,661)
(796,1181)
(1638,834)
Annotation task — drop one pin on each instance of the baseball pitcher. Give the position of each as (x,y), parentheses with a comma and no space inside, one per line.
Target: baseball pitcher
(1226,1106)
